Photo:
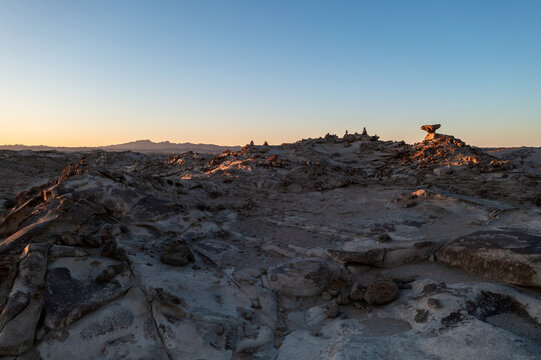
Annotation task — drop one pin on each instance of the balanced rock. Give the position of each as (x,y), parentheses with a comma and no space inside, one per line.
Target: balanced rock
(380,292)
(177,253)
(431,130)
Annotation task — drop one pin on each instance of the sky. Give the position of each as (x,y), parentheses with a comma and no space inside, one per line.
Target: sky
(91,73)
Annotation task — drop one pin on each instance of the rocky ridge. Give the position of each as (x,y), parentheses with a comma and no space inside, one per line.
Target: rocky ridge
(336,247)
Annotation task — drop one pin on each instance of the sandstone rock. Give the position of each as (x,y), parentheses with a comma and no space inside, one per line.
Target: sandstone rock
(380,292)
(507,256)
(430,128)
(22,312)
(300,277)
(177,253)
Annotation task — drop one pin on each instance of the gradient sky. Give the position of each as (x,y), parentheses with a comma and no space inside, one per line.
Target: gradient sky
(100,72)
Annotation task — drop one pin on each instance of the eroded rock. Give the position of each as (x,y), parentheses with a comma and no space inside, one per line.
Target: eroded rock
(507,256)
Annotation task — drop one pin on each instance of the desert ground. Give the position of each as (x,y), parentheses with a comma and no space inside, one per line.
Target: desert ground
(331,248)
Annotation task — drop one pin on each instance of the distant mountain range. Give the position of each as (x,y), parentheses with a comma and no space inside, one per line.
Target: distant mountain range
(142,146)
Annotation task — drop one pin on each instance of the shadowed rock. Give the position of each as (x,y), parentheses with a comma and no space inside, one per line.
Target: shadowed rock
(177,253)
(511,257)
(380,292)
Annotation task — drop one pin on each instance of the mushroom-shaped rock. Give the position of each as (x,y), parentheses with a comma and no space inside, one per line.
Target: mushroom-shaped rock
(300,278)
(177,253)
(431,130)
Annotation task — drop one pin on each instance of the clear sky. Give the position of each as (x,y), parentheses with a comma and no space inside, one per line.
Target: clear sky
(226,72)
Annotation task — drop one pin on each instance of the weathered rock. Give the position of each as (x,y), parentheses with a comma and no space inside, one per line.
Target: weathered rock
(57,251)
(177,253)
(380,292)
(431,130)
(368,257)
(22,312)
(507,256)
(300,277)
(77,286)
(113,251)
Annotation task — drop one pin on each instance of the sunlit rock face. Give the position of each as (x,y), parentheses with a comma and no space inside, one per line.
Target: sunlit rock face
(327,248)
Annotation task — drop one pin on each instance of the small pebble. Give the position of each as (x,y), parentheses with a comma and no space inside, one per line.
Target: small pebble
(433,303)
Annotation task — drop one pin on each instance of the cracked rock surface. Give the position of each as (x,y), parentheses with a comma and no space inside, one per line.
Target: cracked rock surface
(330,248)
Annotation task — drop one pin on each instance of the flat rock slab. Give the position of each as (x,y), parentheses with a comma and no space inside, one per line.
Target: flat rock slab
(77,286)
(122,329)
(300,278)
(509,256)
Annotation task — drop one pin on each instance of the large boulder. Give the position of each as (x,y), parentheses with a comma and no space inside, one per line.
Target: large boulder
(510,256)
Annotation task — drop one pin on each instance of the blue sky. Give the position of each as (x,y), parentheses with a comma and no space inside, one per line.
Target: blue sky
(226,72)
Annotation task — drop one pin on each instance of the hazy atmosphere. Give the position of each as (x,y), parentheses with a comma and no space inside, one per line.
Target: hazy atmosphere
(89,73)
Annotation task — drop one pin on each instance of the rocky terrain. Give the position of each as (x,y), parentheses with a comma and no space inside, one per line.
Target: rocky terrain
(330,248)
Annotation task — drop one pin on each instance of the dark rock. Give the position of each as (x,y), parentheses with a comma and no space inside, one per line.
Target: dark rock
(177,253)
(384,238)
(113,251)
(380,292)
(332,310)
(343,298)
(368,257)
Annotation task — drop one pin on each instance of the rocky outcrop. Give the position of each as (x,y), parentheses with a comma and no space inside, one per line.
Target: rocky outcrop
(322,248)
(508,256)
(20,316)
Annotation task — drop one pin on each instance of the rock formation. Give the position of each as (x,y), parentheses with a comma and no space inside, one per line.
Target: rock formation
(431,130)
(323,248)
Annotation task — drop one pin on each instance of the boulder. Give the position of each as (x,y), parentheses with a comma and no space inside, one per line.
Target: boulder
(509,256)
(380,292)
(177,253)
